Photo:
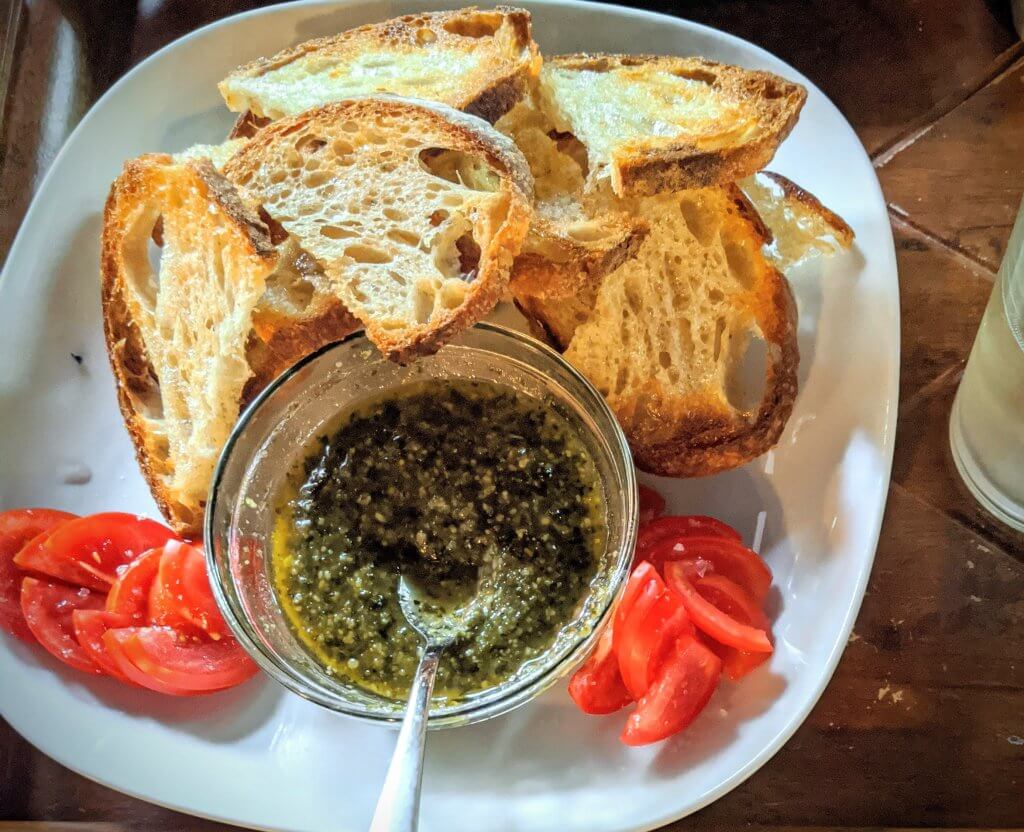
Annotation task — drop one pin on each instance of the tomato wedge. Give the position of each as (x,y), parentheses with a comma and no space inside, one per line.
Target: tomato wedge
(731,599)
(20,528)
(129,596)
(88,551)
(164,612)
(641,575)
(89,626)
(650,631)
(706,555)
(652,504)
(597,687)
(48,609)
(694,525)
(183,579)
(191,666)
(682,688)
(711,620)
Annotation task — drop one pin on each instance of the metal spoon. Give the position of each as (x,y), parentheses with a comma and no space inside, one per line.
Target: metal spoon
(399,802)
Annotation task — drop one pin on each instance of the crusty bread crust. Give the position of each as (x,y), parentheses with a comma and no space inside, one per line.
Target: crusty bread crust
(247,125)
(488,94)
(560,266)
(138,389)
(444,127)
(658,167)
(837,225)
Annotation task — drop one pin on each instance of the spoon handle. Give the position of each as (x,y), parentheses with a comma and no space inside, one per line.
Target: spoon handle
(399,802)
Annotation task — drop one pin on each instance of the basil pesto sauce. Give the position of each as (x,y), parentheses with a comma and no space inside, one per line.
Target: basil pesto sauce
(470,489)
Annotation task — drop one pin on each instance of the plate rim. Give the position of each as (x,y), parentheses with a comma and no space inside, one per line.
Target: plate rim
(886,450)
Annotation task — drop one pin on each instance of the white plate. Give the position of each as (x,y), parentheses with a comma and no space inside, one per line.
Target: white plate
(264,758)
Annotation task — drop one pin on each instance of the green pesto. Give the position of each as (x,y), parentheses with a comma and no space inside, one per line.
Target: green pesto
(468,488)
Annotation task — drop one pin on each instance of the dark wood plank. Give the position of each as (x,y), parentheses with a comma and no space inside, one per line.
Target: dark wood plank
(962,180)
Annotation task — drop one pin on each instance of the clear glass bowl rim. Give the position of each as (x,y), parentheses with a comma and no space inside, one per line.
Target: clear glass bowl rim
(482,708)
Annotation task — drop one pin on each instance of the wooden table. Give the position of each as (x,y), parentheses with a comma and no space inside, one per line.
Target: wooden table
(923,723)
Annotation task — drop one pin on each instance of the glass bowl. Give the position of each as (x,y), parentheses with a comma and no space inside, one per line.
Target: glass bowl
(271,436)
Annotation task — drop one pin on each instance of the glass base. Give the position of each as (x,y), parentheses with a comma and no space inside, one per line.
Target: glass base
(994,501)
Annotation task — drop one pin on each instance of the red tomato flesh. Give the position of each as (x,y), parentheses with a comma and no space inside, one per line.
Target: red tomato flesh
(164,612)
(694,525)
(711,620)
(184,581)
(652,504)
(641,575)
(734,601)
(187,665)
(683,686)
(88,551)
(129,596)
(649,640)
(705,555)
(19,528)
(89,626)
(597,687)
(113,643)
(49,608)
(629,638)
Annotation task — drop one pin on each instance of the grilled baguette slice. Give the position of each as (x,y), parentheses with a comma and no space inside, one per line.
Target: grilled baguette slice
(414,211)
(177,339)
(480,61)
(657,124)
(664,337)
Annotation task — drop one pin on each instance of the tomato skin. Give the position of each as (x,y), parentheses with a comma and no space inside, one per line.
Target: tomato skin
(89,550)
(597,687)
(652,504)
(90,625)
(113,642)
(190,666)
(712,621)
(164,612)
(704,555)
(694,525)
(735,601)
(683,686)
(185,585)
(48,608)
(19,528)
(129,596)
(651,631)
(641,575)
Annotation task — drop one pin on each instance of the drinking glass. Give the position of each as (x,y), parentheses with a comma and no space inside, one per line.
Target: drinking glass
(986,428)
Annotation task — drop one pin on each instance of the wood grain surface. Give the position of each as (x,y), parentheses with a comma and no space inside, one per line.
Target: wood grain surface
(923,724)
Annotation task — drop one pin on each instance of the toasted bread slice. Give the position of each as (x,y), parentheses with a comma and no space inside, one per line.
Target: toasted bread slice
(218,154)
(177,338)
(665,336)
(801,226)
(413,210)
(479,61)
(572,243)
(659,124)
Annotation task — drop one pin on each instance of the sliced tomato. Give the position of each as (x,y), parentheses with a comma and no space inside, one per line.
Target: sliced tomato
(89,626)
(702,556)
(113,643)
(642,574)
(164,611)
(192,666)
(19,528)
(693,525)
(129,596)
(733,600)
(630,634)
(682,688)
(597,687)
(710,619)
(88,551)
(650,631)
(48,609)
(183,578)
(652,504)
